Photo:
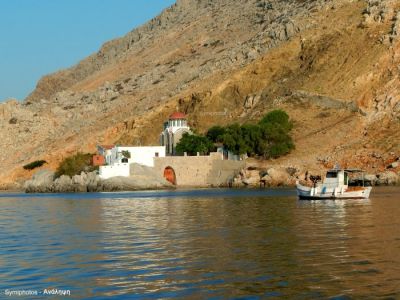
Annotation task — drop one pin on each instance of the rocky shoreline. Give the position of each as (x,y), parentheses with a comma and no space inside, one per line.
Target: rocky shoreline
(144,178)
(44,181)
(287,176)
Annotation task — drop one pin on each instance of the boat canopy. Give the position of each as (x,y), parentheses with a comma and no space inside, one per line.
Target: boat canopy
(348,170)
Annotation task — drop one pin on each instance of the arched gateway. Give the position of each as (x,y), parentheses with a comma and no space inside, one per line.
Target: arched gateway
(169,175)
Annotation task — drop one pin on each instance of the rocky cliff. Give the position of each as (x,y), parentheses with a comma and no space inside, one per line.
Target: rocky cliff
(331,64)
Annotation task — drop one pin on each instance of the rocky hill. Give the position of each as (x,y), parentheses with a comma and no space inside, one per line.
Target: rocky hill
(331,64)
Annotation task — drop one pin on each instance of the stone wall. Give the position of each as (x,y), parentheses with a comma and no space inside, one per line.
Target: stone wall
(200,171)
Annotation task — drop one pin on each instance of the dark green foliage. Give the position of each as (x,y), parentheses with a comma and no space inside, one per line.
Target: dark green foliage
(269,138)
(126,154)
(215,133)
(74,165)
(34,164)
(192,143)
(252,137)
(233,139)
(277,117)
(275,128)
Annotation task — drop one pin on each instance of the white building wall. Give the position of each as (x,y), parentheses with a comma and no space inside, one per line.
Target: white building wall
(142,155)
(115,170)
(174,129)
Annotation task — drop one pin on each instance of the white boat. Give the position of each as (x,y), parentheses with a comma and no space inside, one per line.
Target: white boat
(336,185)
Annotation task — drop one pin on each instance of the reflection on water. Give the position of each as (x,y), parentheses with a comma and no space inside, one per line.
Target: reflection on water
(201,244)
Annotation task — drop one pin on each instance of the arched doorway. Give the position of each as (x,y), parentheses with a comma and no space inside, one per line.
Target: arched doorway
(169,175)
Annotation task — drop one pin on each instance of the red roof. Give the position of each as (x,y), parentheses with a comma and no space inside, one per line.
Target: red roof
(177,116)
(107,147)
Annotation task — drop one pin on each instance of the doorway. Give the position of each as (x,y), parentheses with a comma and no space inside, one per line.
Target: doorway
(169,175)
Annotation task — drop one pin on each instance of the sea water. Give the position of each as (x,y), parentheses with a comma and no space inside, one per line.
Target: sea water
(202,244)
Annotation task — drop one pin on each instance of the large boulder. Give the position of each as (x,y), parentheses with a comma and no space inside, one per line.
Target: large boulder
(79,183)
(41,182)
(370,178)
(92,182)
(85,182)
(277,177)
(250,177)
(63,184)
(387,178)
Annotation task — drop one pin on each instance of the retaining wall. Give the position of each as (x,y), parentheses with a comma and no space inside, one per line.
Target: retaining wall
(200,171)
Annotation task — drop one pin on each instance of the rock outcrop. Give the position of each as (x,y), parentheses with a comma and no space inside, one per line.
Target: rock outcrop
(142,178)
(41,182)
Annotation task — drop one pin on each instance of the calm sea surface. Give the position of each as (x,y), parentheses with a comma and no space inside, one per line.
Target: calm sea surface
(206,244)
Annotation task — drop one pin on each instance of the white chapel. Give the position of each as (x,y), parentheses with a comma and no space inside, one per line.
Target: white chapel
(174,128)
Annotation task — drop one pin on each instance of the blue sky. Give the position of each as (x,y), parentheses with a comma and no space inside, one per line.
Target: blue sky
(38,37)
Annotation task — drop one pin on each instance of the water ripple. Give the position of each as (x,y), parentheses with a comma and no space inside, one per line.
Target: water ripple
(213,244)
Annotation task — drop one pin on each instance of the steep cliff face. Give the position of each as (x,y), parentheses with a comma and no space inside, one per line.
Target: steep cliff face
(333,65)
(188,27)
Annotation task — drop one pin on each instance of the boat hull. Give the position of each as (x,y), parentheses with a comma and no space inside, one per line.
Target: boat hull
(330,198)
(321,193)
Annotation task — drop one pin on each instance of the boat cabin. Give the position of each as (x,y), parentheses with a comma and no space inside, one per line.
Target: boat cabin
(336,178)
(342,177)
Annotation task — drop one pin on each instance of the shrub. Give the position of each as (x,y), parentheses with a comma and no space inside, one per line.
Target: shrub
(13,121)
(74,165)
(35,164)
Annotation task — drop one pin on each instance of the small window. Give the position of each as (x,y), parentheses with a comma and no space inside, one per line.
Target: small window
(331,175)
(156,154)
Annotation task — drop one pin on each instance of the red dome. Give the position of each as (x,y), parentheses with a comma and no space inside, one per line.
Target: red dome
(177,116)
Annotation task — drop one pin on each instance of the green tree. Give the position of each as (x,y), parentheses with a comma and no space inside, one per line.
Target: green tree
(215,133)
(233,139)
(278,117)
(192,143)
(252,137)
(269,138)
(275,127)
